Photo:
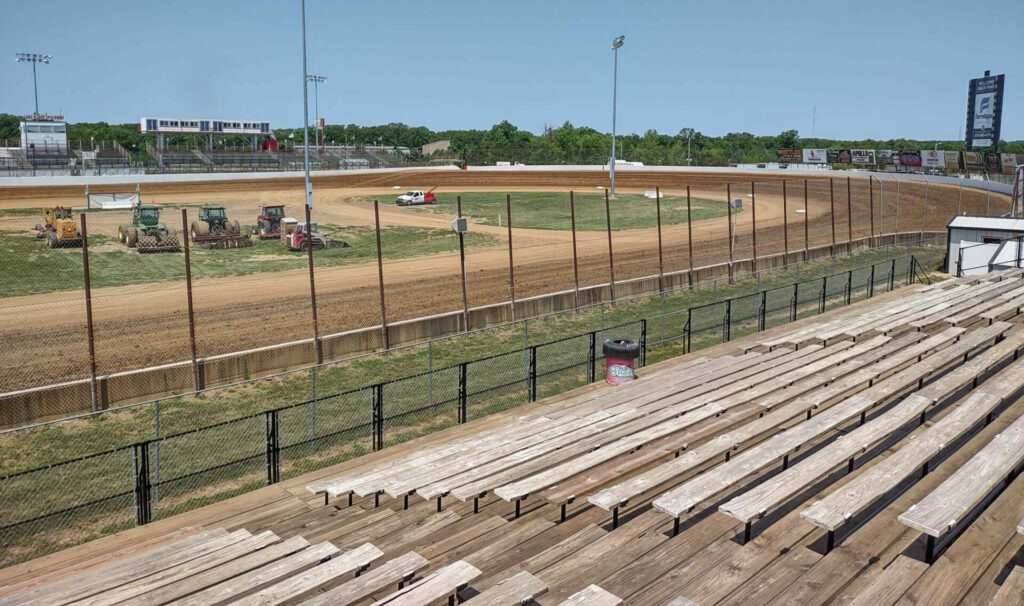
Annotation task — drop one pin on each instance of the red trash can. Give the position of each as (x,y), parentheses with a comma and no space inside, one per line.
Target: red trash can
(619,355)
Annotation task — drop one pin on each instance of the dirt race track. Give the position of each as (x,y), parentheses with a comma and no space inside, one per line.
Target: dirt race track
(44,338)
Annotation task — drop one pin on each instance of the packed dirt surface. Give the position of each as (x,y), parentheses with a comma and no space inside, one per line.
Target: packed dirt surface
(44,337)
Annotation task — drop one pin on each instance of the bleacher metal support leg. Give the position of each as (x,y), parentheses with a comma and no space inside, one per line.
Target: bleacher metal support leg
(929,550)
(350,499)
(615,518)
(924,469)
(476,504)
(785,465)
(326,498)
(746,532)
(439,504)
(405,502)
(563,512)
(849,466)
(675,527)
(376,499)
(518,502)
(830,541)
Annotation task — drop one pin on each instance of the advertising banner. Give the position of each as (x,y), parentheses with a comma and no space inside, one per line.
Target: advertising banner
(790,156)
(984,111)
(885,156)
(815,156)
(1009,163)
(952,159)
(974,159)
(838,156)
(862,156)
(993,163)
(931,158)
(910,157)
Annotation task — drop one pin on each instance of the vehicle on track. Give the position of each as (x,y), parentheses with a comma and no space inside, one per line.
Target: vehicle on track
(59,228)
(268,221)
(146,233)
(215,230)
(416,197)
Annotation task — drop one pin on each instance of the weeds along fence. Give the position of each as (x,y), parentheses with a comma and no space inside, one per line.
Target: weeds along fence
(65,502)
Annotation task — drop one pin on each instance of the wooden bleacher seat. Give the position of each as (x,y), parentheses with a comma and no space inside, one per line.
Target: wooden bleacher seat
(1011,592)
(592,595)
(436,586)
(397,571)
(520,588)
(887,587)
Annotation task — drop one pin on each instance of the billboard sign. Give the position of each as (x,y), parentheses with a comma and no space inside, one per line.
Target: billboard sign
(862,156)
(838,156)
(815,156)
(1009,163)
(952,159)
(993,163)
(931,158)
(984,111)
(885,156)
(910,157)
(790,156)
(974,159)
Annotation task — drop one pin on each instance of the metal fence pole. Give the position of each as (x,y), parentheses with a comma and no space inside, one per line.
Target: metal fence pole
(832,204)
(380,281)
(592,357)
(762,310)
(142,486)
(727,324)
(688,331)
(462,268)
(793,302)
(90,334)
(317,352)
(463,393)
(871,209)
(611,255)
(785,226)
(191,310)
(806,223)
(511,270)
(849,216)
(728,210)
(575,261)
(689,236)
(924,212)
(661,258)
(753,224)
(896,227)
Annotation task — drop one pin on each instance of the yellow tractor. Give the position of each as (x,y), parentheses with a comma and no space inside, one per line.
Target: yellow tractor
(60,228)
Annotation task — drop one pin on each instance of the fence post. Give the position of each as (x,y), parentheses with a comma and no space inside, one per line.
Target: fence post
(191,309)
(849,216)
(727,325)
(380,281)
(849,286)
(592,357)
(463,392)
(643,342)
(832,204)
(377,416)
(142,488)
(93,392)
(911,270)
(728,209)
(793,301)
(806,223)
(689,238)
(575,261)
(753,223)
(611,255)
(661,258)
(785,226)
(273,447)
(762,311)
(511,270)
(892,274)
(871,282)
(821,296)
(532,375)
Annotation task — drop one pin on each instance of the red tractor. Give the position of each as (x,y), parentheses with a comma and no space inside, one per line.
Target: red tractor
(268,222)
(296,235)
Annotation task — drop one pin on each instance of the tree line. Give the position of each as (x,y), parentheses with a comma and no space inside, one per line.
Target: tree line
(505,142)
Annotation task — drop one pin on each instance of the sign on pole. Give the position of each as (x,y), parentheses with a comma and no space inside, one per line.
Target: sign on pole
(984,111)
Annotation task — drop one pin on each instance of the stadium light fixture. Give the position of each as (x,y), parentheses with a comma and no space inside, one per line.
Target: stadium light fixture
(33,58)
(616,45)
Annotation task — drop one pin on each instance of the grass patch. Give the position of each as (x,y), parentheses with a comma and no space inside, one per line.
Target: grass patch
(31,268)
(550,210)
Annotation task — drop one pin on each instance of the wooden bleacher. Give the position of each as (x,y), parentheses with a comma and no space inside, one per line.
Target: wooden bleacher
(800,465)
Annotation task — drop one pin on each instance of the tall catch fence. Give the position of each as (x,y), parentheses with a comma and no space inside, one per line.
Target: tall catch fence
(154,324)
(65,501)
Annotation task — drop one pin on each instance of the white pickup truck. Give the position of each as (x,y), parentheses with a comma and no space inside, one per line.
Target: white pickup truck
(415,197)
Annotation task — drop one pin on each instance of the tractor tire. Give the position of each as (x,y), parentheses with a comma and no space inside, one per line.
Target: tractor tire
(131,237)
(234,228)
(121,229)
(51,240)
(200,228)
(171,231)
(264,227)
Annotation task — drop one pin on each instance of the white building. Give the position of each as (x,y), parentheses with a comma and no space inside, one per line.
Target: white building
(44,135)
(977,245)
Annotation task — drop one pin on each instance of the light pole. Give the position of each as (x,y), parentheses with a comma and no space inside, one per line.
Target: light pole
(616,44)
(305,111)
(316,80)
(33,58)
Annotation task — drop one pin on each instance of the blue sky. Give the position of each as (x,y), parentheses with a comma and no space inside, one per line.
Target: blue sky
(872,69)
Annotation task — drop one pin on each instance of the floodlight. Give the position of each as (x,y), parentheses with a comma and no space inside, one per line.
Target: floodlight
(617,42)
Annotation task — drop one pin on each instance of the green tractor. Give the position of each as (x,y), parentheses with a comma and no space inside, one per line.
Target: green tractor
(147,233)
(215,230)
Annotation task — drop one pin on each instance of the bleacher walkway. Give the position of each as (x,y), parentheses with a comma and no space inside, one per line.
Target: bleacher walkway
(866,456)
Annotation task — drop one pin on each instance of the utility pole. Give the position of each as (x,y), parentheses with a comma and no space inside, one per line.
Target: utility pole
(616,44)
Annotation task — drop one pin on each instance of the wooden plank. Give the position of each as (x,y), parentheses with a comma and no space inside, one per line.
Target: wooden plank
(436,586)
(979,310)
(1011,592)
(518,589)
(755,503)
(887,588)
(967,305)
(119,572)
(392,572)
(338,566)
(687,496)
(258,578)
(944,508)
(207,578)
(592,595)
(132,591)
(681,601)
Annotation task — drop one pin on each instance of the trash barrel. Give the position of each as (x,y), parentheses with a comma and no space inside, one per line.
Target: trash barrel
(619,356)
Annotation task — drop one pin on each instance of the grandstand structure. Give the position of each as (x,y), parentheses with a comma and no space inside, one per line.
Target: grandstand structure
(869,455)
